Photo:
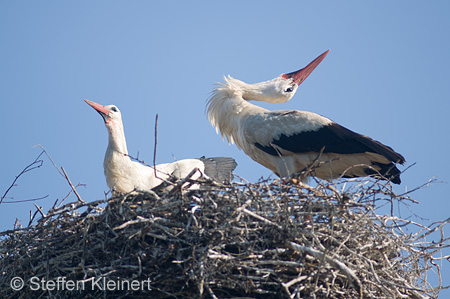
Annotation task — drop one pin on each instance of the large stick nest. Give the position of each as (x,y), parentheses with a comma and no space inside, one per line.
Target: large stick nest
(262,240)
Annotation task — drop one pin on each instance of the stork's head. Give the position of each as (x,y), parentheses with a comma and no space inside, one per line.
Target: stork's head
(282,88)
(110,113)
(113,122)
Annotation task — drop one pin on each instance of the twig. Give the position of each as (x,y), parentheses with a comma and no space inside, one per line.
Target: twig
(261,218)
(347,271)
(32,216)
(131,222)
(430,231)
(156,144)
(25,200)
(211,293)
(50,158)
(40,210)
(71,185)
(180,184)
(35,164)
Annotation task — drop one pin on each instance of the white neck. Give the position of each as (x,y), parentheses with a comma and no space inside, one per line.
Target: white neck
(117,142)
(116,163)
(258,91)
(116,156)
(272,91)
(228,108)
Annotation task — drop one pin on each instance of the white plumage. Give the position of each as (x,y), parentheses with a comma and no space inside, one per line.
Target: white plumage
(124,175)
(287,141)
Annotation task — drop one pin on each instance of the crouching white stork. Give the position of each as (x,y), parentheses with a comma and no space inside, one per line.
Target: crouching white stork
(124,175)
(287,141)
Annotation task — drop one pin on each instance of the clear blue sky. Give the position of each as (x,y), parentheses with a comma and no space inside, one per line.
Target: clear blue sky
(387,76)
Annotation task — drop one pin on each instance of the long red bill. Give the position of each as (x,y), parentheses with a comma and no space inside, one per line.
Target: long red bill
(102,110)
(300,75)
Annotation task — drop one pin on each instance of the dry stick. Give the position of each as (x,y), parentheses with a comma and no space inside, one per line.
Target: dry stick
(424,185)
(276,148)
(156,143)
(40,211)
(168,182)
(64,174)
(211,293)
(131,222)
(73,188)
(308,169)
(154,157)
(294,281)
(261,218)
(32,216)
(25,200)
(350,274)
(430,231)
(36,164)
(50,158)
(180,184)
(64,199)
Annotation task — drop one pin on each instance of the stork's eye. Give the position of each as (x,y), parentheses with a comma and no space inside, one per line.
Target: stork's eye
(114,109)
(289,89)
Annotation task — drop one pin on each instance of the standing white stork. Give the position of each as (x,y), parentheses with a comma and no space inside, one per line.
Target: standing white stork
(124,175)
(287,141)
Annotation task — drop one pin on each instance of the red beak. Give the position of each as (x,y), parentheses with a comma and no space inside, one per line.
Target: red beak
(104,112)
(300,75)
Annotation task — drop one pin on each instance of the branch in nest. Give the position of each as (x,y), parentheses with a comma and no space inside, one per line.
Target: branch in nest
(321,256)
(37,163)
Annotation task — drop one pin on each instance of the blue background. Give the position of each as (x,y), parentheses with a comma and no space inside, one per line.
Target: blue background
(386,76)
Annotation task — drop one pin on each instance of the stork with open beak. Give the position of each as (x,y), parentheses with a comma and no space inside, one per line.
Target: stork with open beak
(124,175)
(288,141)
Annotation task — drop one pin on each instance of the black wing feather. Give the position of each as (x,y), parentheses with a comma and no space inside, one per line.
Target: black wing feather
(334,138)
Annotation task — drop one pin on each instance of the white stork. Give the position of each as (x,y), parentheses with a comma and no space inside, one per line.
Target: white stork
(124,175)
(287,141)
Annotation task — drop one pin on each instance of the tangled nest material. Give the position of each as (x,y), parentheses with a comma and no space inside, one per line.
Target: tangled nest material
(267,239)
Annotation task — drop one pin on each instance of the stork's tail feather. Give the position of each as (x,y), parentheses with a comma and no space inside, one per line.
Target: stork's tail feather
(219,169)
